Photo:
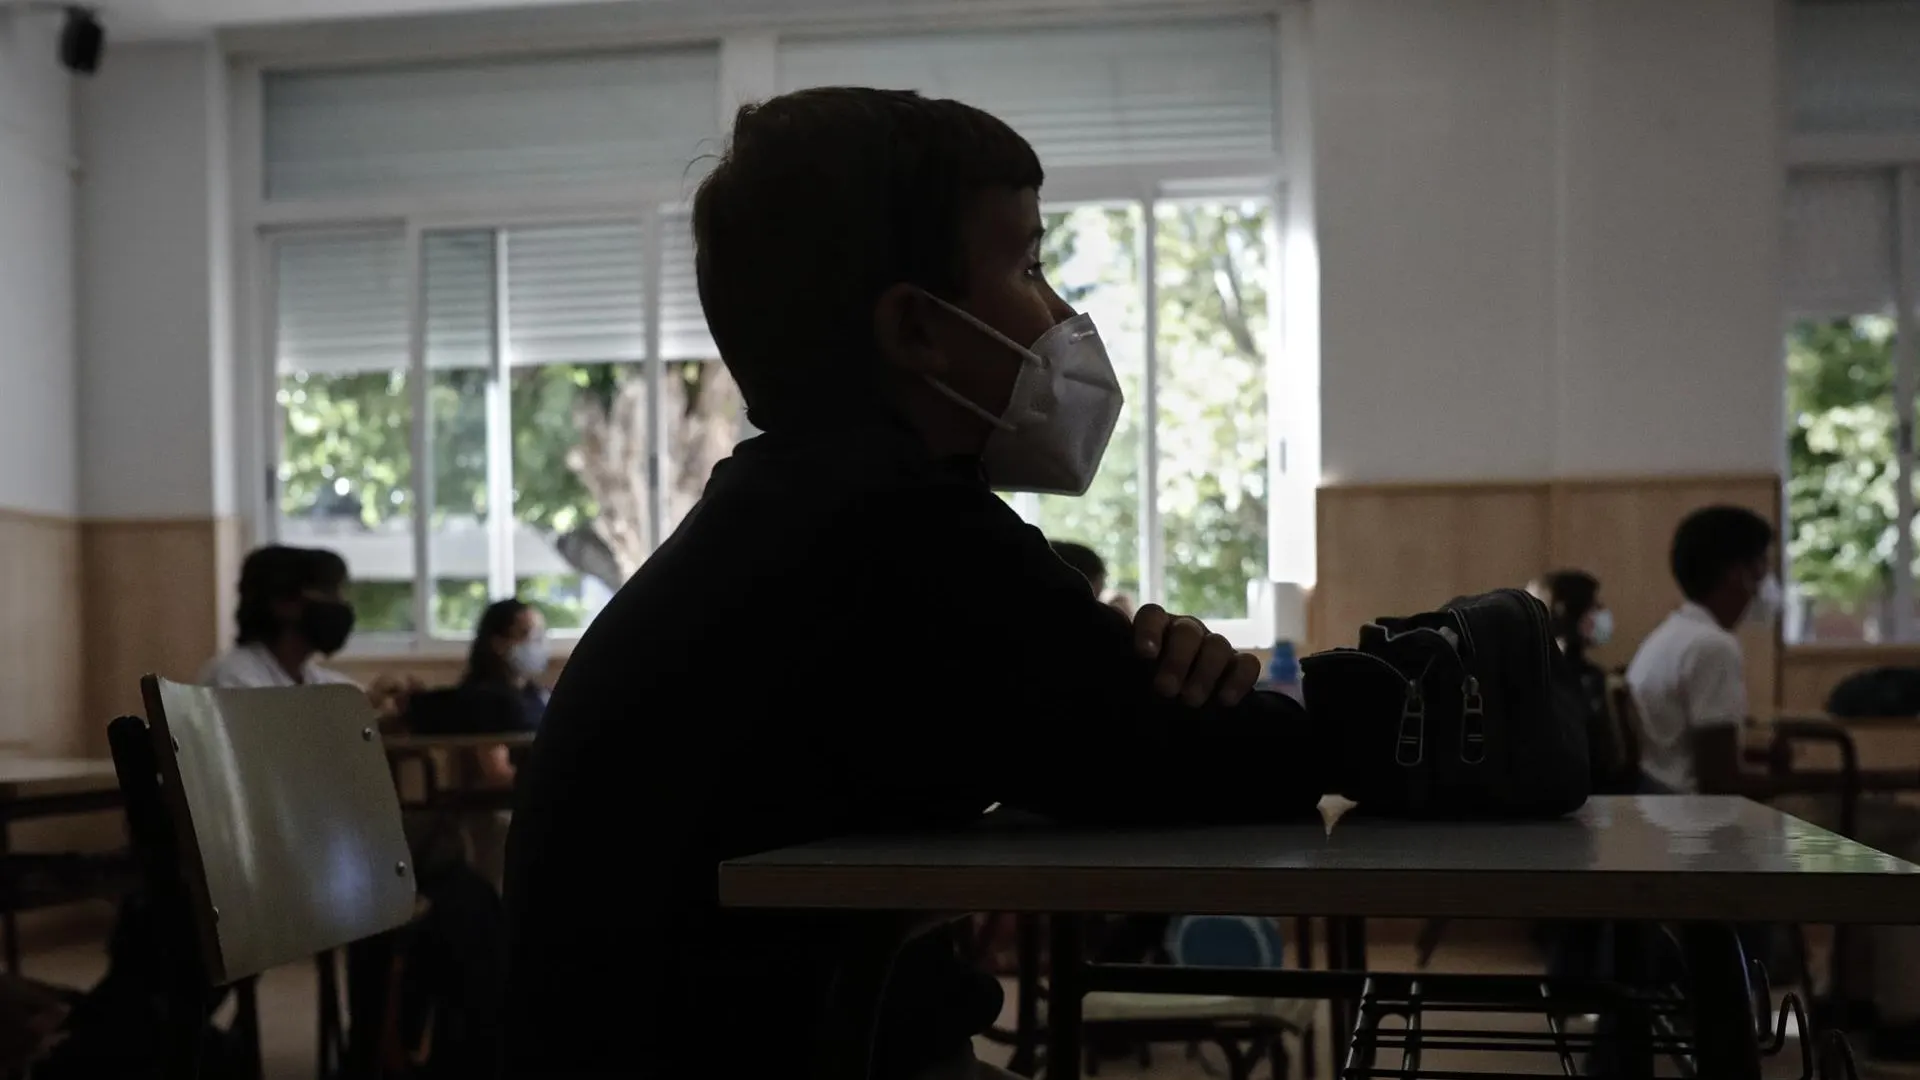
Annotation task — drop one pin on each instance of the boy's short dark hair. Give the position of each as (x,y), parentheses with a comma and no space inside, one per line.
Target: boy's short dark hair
(277,572)
(1081,558)
(823,199)
(1713,540)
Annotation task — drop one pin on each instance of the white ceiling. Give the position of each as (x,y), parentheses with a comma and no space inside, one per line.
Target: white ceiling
(273,24)
(131,20)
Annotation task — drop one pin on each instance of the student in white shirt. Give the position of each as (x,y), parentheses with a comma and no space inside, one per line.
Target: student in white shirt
(1687,677)
(292,612)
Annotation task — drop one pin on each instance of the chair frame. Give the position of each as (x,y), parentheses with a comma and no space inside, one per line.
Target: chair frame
(137,763)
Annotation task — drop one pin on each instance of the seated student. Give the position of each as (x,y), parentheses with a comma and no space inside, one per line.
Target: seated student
(500,691)
(508,659)
(1582,622)
(1687,678)
(779,672)
(292,611)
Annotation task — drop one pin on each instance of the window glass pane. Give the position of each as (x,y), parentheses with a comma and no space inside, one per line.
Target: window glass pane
(1212,264)
(701,411)
(581,502)
(1841,475)
(702,417)
(344,415)
(462,346)
(1092,261)
(460,548)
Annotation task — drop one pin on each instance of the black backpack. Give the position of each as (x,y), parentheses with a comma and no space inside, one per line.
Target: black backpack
(1882,691)
(1465,711)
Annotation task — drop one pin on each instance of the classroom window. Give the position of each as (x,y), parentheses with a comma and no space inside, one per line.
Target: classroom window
(491,374)
(1180,509)
(531,397)
(1851,384)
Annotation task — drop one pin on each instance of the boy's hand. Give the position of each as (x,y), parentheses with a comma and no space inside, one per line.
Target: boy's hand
(1195,664)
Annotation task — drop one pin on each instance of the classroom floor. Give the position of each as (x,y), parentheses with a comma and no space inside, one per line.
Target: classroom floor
(287,1006)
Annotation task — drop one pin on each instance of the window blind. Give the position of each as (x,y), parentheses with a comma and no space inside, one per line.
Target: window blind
(576,294)
(1083,96)
(340,303)
(683,324)
(573,294)
(458,269)
(1839,250)
(1854,68)
(636,117)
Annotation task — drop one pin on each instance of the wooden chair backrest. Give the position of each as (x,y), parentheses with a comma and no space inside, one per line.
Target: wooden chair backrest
(282,814)
(1626,719)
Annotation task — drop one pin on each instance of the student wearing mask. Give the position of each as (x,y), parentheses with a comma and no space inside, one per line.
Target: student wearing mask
(508,659)
(1688,677)
(1580,623)
(292,612)
(869,264)
(500,691)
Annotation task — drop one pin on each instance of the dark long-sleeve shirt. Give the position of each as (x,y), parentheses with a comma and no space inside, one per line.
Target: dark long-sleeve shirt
(816,651)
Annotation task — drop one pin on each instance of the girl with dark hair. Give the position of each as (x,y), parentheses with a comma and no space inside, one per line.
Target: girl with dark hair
(509,655)
(1581,622)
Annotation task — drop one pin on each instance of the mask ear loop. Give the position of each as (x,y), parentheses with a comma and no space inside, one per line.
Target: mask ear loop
(1026,355)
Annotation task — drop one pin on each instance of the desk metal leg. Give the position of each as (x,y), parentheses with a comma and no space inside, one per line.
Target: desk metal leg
(1346,951)
(1339,1009)
(1356,931)
(1026,1048)
(9,922)
(1064,991)
(1724,1028)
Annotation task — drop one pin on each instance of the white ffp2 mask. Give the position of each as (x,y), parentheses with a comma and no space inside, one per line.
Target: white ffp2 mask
(1602,631)
(1060,413)
(1765,605)
(528,659)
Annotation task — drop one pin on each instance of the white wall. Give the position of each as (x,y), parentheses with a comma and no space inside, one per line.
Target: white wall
(1548,237)
(154,229)
(37,436)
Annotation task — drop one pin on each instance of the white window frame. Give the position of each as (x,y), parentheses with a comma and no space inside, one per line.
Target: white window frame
(745,60)
(1898,156)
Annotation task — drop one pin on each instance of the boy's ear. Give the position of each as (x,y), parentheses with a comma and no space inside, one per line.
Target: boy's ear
(904,332)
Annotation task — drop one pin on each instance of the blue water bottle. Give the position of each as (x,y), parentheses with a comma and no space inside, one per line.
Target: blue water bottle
(1283,670)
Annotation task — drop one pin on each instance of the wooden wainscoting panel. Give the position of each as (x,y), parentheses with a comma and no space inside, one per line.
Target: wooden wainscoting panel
(158,594)
(1389,548)
(1621,531)
(1395,549)
(40,645)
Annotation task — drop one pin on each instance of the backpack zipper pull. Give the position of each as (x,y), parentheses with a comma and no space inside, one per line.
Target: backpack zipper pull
(1473,723)
(1413,728)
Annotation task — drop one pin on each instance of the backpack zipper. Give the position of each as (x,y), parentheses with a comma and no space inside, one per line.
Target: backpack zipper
(1473,723)
(1411,747)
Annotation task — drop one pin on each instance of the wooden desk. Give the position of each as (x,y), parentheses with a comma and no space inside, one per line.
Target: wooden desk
(1621,857)
(417,744)
(48,787)
(1705,860)
(27,785)
(402,748)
